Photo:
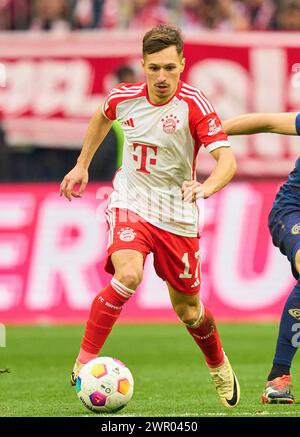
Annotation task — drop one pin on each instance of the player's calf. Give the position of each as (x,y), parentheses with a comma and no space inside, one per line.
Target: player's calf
(105,310)
(205,333)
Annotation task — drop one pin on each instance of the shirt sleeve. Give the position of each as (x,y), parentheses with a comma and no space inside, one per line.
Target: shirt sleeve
(209,132)
(110,104)
(205,124)
(108,111)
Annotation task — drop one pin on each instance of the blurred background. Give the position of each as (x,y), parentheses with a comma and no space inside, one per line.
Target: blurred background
(58,61)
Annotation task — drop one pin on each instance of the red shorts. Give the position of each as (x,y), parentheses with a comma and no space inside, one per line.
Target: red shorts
(176,258)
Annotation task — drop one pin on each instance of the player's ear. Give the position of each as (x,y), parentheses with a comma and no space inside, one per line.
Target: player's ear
(143,62)
(182,66)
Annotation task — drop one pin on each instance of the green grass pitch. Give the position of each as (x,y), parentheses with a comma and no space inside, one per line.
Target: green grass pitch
(171,378)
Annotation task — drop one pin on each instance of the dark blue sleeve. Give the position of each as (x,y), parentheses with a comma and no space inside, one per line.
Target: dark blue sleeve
(298,123)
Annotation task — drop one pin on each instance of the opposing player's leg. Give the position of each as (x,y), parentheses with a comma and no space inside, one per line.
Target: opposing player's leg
(201,325)
(278,387)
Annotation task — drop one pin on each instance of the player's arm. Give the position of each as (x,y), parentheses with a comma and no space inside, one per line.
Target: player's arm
(97,130)
(286,123)
(222,173)
(219,178)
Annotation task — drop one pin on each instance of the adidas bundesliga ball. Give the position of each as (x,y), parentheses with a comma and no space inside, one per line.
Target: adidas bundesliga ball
(104,385)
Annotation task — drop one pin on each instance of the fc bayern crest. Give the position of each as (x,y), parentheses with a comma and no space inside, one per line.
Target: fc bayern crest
(170,123)
(127,234)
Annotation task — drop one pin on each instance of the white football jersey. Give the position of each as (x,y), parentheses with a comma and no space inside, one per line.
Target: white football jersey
(160,151)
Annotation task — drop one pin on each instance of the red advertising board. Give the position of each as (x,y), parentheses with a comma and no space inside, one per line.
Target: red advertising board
(52,254)
(51,84)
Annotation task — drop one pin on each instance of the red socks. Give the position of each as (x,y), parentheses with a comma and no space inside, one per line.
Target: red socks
(207,337)
(106,309)
(104,312)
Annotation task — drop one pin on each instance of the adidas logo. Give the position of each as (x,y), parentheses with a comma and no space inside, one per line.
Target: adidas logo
(128,122)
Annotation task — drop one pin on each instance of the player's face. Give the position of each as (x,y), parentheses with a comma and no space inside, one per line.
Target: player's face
(162,70)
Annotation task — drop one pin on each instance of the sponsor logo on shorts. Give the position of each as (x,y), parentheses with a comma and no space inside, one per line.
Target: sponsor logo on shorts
(295,312)
(296,229)
(127,234)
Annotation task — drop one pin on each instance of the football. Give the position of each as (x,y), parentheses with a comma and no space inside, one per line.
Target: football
(105,385)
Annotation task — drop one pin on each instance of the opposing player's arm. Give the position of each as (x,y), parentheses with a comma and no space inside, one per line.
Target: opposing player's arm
(286,123)
(97,130)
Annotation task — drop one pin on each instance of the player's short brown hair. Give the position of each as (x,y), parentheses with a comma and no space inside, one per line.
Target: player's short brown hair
(161,37)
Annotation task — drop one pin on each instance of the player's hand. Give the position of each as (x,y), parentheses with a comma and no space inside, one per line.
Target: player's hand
(78,175)
(191,191)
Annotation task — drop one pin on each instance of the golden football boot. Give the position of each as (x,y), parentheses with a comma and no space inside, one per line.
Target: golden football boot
(226,384)
(76,369)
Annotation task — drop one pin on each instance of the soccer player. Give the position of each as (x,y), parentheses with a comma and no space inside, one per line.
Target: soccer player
(284,226)
(153,205)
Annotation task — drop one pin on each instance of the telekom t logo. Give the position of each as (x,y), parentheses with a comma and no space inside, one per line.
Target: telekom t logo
(145,151)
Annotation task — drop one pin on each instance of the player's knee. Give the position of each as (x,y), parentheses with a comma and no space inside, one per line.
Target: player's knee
(129,277)
(188,314)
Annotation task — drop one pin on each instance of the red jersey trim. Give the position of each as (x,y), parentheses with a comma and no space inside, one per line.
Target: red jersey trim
(190,90)
(203,104)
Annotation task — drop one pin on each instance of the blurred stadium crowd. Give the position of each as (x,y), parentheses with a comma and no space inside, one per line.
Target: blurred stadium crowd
(16,164)
(235,15)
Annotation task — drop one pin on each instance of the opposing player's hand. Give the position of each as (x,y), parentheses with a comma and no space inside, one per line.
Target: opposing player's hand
(192,190)
(78,175)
